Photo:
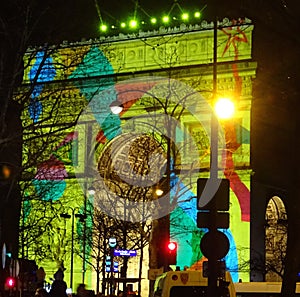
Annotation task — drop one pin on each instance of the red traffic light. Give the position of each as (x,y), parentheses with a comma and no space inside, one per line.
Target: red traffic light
(172,246)
(171,253)
(10,282)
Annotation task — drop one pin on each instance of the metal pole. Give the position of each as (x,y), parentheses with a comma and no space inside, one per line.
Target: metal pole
(72,251)
(87,167)
(84,242)
(111,271)
(212,261)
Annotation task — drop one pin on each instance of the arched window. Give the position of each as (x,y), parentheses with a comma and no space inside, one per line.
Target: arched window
(275,239)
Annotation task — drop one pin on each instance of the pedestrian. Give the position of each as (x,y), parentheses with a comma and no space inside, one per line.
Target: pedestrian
(59,286)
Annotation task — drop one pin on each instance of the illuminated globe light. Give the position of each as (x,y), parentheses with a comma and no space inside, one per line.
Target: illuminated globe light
(123,25)
(116,107)
(197,14)
(185,16)
(159,192)
(133,24)
(224,108)
(103,27)
(166,19)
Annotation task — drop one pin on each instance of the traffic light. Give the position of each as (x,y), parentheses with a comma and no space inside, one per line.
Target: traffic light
(10,282)
(171,252)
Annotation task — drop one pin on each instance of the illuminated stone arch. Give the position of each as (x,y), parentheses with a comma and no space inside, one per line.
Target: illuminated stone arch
(275,238)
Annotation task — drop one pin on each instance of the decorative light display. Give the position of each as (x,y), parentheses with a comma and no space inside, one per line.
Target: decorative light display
(133,24)
(185,16)
(149,22)
(153,21)
(165,19)
(103,27)
(53,172)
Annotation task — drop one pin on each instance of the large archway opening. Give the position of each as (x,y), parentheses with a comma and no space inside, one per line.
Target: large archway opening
(275,239)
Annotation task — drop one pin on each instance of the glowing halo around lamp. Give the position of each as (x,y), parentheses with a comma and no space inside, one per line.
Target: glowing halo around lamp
(224,108)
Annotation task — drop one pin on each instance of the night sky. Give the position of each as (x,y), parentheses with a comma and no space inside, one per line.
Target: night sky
(115,11)
(73,20)
(53,21)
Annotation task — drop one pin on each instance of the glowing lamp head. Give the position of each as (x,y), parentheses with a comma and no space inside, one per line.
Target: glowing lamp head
(224,108)
(159,192)
(91,190)
(123,25)
(116,107)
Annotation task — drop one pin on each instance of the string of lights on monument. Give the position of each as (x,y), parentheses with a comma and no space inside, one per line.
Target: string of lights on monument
(148,22)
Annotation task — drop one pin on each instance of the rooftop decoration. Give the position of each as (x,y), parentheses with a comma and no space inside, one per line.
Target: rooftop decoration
(141,19)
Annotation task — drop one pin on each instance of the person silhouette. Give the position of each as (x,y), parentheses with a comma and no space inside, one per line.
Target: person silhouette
(59,286)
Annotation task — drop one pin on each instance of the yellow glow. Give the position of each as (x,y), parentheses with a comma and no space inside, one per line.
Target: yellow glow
(224,108)
(6,172)
(159,192)
(123,25)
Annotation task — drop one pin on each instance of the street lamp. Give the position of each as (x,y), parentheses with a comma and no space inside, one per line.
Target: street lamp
(163,223)
(81,218)
(224,108)
(220,105)
(116,107)
(90,191)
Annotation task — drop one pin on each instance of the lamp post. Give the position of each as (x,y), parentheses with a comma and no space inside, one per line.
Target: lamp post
(72,216)
(90,191)
(224,109)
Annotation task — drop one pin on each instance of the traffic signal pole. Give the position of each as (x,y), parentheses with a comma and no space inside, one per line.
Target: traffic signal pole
(212,261)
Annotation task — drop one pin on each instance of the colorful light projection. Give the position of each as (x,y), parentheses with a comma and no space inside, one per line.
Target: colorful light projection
(95,63)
